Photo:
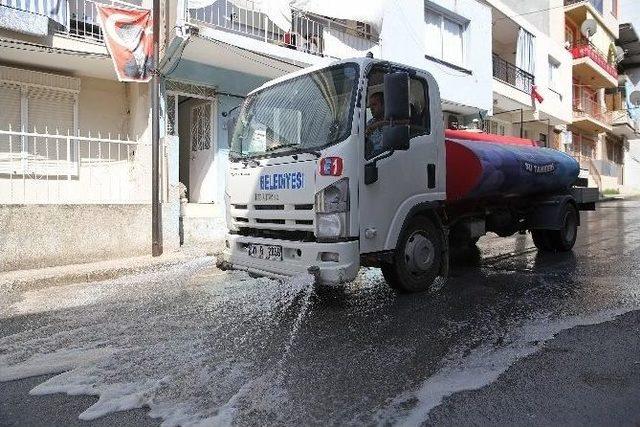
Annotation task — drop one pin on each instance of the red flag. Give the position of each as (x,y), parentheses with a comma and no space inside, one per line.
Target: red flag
(535,94)
(128,34)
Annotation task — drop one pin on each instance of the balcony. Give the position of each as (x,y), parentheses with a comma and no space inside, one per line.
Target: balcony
(309,33)
(512,75)
(591,65)
(79,19)
(622,123)
(589,116)
(597,4)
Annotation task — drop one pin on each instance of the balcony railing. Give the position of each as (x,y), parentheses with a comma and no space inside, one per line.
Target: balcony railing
(597,4)
(512,75)
(586,107)
(309,33)
(585,49)
(83,18)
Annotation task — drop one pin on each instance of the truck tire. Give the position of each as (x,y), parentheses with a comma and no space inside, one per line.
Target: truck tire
(542,240)
(417,257)
(559,240)
(563,240)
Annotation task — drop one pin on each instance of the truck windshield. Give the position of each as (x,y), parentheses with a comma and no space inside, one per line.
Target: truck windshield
(305,113)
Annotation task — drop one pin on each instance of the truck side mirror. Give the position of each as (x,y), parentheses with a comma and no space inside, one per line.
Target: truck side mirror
(396,96)
(395,136)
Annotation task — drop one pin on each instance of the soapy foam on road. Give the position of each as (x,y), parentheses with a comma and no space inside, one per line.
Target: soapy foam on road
(189,364)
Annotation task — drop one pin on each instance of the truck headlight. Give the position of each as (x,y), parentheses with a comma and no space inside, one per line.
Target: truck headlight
(334,198)
(332,210)
(331,226)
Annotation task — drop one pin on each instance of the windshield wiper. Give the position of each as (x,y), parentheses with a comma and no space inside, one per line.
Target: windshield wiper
(300,150)
(277,147)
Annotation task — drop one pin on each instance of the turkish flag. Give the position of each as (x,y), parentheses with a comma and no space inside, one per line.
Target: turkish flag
(535,94)
(128,34)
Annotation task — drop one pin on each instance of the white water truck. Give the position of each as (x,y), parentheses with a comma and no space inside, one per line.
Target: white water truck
(320,183)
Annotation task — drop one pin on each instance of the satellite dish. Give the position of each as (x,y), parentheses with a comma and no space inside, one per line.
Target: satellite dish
(619,54)
(634,98)
(588,28)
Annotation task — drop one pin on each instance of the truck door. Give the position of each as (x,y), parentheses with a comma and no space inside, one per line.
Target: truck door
(405,178)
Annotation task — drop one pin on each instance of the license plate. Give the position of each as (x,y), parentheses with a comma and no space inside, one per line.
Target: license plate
(268,252)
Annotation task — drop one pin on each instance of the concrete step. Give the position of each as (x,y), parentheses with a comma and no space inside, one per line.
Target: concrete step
(202,224)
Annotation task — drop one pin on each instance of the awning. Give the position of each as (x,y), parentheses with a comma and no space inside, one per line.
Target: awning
(56,10)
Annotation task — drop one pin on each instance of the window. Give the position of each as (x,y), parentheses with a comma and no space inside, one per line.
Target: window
(445,38)
(542,140)
(419,104)
(614,8)
(419,114)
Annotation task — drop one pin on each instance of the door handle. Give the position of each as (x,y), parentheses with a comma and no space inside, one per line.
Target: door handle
(431,176)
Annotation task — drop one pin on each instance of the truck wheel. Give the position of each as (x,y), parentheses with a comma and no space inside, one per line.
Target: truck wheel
(542,240)
(563,240)
(417,258)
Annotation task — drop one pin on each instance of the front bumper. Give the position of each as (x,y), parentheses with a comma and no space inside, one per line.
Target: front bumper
(297,257)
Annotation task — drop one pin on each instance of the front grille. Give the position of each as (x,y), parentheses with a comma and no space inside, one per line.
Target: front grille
(270,221)
(303,207)
(268,207)
(280,217)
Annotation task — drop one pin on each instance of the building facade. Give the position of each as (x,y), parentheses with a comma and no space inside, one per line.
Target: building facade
(629,42)
(591,30)
(531,73)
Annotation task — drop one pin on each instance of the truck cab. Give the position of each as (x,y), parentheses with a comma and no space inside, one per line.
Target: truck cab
(317,179)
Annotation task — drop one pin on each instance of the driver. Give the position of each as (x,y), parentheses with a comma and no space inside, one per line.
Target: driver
(373,130)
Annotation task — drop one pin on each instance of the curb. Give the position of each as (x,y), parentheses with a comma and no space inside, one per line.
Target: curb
(92,272)
(611,199)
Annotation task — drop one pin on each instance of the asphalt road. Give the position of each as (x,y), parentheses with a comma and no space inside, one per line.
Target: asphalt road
(513,337)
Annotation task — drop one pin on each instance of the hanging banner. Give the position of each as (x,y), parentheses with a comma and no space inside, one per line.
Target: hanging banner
(128,34)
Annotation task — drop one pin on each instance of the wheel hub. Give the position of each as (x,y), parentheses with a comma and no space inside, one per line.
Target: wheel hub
(419,254)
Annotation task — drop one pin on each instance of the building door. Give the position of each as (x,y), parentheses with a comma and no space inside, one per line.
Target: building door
(201,164)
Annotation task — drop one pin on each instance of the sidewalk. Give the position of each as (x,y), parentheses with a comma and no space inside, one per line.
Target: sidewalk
(101,270)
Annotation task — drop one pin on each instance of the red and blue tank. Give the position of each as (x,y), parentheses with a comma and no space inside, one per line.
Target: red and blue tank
(482,166)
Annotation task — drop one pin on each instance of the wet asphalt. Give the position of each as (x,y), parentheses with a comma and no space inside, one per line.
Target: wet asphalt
(512,337)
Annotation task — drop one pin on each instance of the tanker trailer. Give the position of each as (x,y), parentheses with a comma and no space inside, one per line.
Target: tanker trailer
(507,184)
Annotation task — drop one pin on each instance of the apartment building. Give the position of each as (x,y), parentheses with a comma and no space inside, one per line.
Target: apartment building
(531,73)
(628,118)
(591,30)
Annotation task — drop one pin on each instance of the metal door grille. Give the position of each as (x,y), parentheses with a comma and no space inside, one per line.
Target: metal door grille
(201,127)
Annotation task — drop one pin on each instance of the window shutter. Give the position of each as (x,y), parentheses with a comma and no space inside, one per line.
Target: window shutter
(50,111)
(9,116)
